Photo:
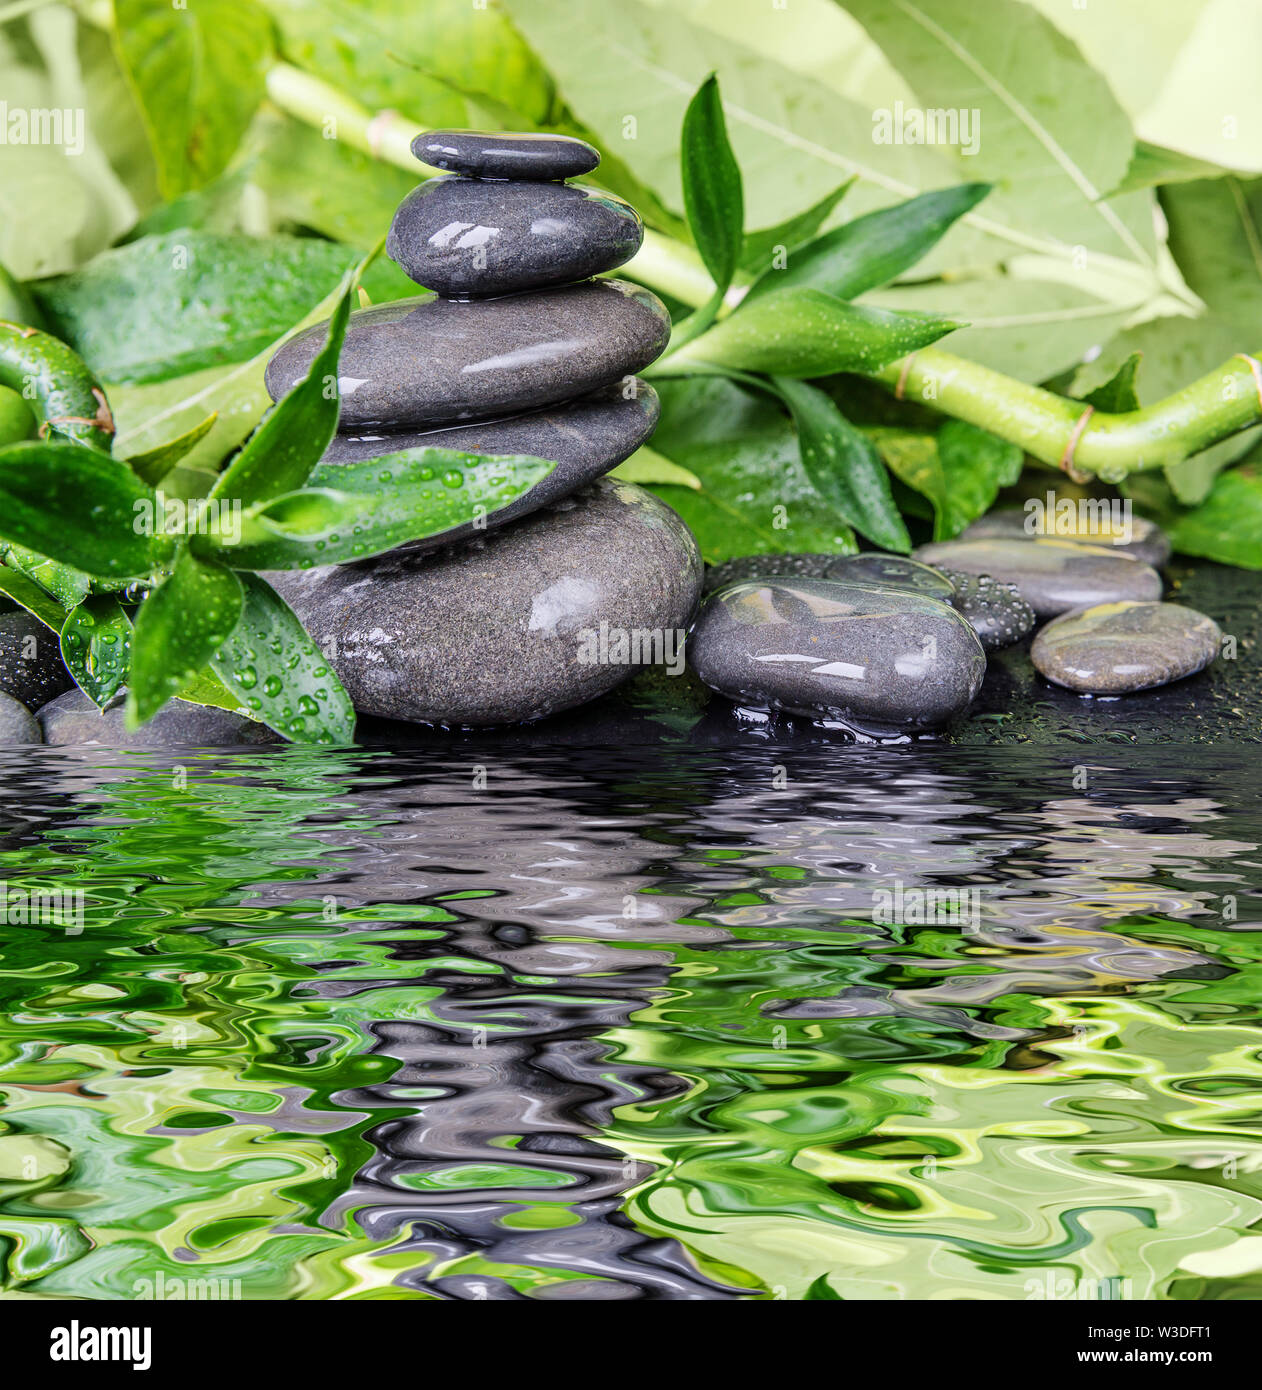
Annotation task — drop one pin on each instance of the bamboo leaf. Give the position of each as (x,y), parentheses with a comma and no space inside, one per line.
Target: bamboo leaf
(179,628)
(96,647)
(280,675)
(713,198)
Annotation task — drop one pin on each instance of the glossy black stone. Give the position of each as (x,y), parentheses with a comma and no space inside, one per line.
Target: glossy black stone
(878,660)
(585,438)
(505,155)
(429,360)
(466,237)
(31,668)
(507,628)
(17,723)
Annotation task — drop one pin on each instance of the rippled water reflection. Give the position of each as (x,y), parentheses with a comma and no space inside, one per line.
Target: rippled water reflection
(657,1023)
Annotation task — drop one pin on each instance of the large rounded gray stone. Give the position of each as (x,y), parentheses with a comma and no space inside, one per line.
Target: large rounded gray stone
(890,572)
(880,661)
(1115,648)
(506,154)
(31,668)
(73,719)
(1051,576)
(429,360)
(1147,543)
(467,237)
(513,627)
(992,607)
(586,438)
(17,723)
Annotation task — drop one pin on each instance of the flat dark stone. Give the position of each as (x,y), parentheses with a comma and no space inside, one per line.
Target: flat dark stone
(891,571)
(467,237)
(1051,576)
(994,608)
(505,154)
(1116,648)
(585,438)
(1148,542)
(430,360)
(73,719)
(508,628)
(31,668)
(17,723)
(801,566)
(878,660)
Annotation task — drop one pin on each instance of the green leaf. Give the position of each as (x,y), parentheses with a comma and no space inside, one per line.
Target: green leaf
(96,647)
(713,198)
(154,464)
(67,585)
(279,673)
(179,627)
(875,249)
(1227,526)
(207,689)
(759,248)
(197,72)
(1216,237)
(30,596)
(843,465)
(350,512)
(960,469)
(1152,165)
(279,456)
(755,497)
(80,507)
(1052,135)
(821,1289)
(1118,394)
(147,415)
(805,332)
(164,306)
(647,466)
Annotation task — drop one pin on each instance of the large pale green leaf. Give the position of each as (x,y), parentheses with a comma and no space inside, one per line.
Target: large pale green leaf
(350,512)
(1031,329)
(761,248)
(179,628)
(197,71)
(280,675)
(284,449)
(754,497)
(1152,165)
(405,56)
(1216,237)
(166,306)
(1052,135)
(805,332)
(148,416)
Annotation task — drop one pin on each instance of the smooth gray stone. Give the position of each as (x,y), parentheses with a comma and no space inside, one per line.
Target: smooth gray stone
(878,660)
(1114,648)
(31,668)
(890,571)
(467,237)
(506,628)
(586,438)
(73,719)
(994,609)
(505,154)
(429,360)
(1051,576)
(1148,542)
(17,723)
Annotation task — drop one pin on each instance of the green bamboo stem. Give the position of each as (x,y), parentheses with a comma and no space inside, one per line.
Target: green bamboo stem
(1056,431)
